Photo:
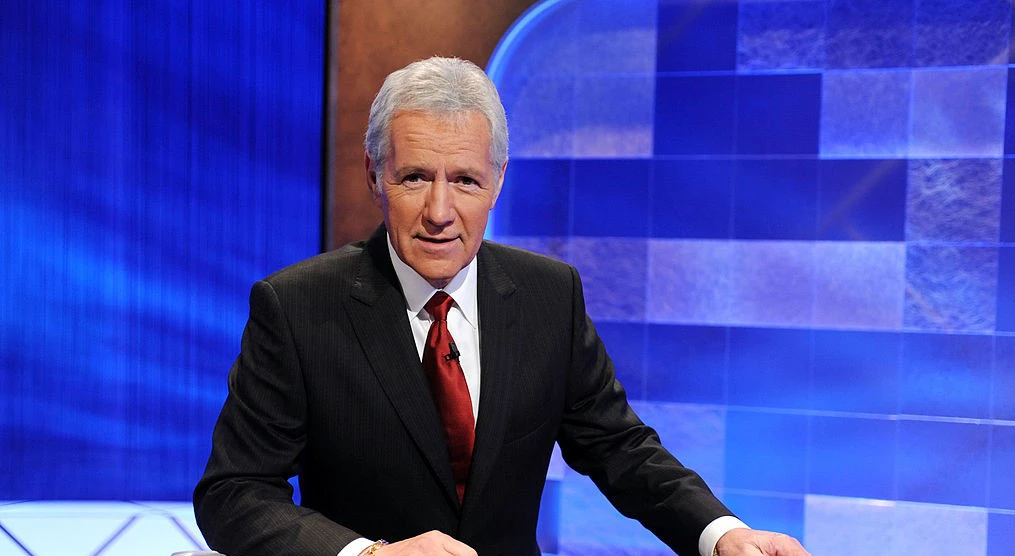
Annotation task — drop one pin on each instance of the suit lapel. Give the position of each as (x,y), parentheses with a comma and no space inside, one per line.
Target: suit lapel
(498,315)
(376,303)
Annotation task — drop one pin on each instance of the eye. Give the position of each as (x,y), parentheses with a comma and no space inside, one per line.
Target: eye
(414,177)
(466,180)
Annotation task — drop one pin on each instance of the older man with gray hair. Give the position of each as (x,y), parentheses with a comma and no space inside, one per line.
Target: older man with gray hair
(416,382)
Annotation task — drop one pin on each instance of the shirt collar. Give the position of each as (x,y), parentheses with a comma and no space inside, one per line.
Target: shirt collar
(418,291)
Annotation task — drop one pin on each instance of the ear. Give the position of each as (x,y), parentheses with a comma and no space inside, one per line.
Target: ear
(372,183)
(500,185)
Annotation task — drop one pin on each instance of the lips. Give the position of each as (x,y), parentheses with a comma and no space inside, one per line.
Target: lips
(436,240)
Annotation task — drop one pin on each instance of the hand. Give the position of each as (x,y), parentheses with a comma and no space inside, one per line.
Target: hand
(432,542)
(748,542)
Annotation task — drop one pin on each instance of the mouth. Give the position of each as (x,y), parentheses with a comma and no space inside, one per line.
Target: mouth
(436,240)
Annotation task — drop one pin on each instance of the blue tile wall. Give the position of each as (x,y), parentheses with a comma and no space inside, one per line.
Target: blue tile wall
(692,198)
(954,200)
(865,113)
(626,345)
(858,285)
(852,457)
(961,33)
(766,451)
(958,112)
(862,200)
(942,462)
(770,367)
(1002,480)
(778,114)
(868,33)
(781,35)
(687,364)
(848,378)
(1000,534)
(547,186)
(1006,288)
(951,287)
(694,114)
(696,35)
(1008,199)
(775,199)
(947,375)
(768,512)
(809,209)
(621,185)
(1003,406)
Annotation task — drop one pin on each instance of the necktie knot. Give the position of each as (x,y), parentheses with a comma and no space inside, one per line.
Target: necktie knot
(439,305)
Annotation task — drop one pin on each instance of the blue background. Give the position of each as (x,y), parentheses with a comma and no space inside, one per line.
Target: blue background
(795,221)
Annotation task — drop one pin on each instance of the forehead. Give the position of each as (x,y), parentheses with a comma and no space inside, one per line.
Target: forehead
(418,136)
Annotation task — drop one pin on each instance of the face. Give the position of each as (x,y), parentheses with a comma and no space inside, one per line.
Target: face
(436,190)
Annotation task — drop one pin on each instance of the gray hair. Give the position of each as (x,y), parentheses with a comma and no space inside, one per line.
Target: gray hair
(442,86)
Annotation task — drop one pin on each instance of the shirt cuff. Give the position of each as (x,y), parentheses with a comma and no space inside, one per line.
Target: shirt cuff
(710,536)
(358,545)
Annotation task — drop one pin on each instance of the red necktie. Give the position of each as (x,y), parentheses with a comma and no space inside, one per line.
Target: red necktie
(450,393)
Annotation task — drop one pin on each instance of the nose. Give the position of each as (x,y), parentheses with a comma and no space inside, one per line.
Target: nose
(440,207)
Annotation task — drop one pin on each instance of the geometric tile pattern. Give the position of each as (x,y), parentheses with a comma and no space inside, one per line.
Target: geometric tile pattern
(97,528)
(794,224)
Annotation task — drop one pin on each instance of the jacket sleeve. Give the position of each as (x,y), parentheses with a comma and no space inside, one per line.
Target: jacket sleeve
(602,437)
(243,503)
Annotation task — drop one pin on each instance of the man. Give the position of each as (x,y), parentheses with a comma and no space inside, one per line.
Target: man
(416,382)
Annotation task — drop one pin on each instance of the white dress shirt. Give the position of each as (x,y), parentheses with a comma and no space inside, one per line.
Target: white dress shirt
(463,323)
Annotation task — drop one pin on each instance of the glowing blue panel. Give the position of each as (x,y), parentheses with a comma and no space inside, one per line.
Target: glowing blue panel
(835,526)
(1004,379)
(775,199)
(688,364)
(942,462)
(1006,289)
(692,198)
(772,283)
(859,285)
(954,200)
(540,115)
(608,267)
(1002,480)
(770,367)
(869,33)
(778,114)
(625,342)
(694,115)
(613,116)
(852,456)
(865,114)
(781,35)
(1008,198)
(862,200)
(1000,534)
(958,112)
(697,35)
(951,288)
(765,451)
(623,37)
(849,526)
(689,282)
(946,375)
(856,371)
(961,33)
(621,185)
(784,514)
(541,204)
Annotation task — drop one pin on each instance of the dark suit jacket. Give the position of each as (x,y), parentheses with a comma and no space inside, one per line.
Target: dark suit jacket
(328,385)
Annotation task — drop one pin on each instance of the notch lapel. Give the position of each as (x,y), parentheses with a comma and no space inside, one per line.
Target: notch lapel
(498,315)
(377,310)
